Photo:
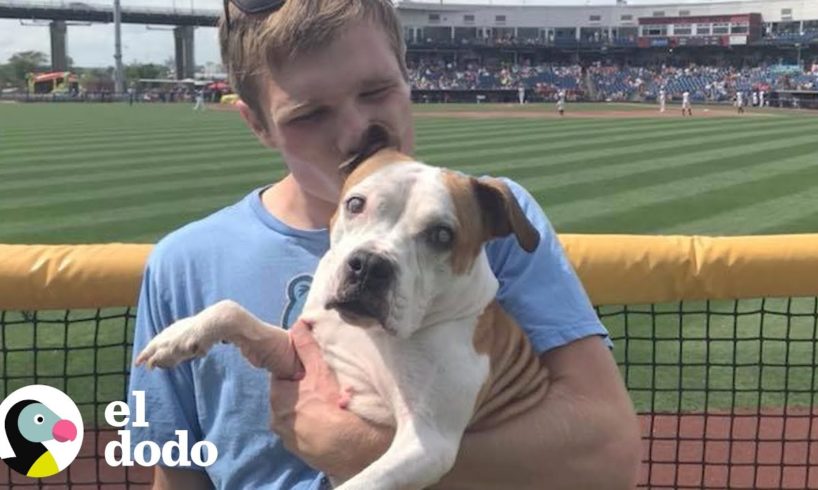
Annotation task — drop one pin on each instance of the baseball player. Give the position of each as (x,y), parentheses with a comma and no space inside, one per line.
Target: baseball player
(521,94)
(200,106)
(561,103)
(740,101)
(686,103)
(662,100)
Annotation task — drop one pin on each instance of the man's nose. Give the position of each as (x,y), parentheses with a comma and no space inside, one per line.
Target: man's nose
(352,126)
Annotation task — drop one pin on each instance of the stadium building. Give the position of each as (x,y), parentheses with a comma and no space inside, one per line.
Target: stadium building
(774,38)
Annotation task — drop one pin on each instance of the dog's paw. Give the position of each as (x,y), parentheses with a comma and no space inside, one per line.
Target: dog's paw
(179,342)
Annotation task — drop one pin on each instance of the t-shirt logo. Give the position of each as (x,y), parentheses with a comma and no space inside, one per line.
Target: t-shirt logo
(297,290)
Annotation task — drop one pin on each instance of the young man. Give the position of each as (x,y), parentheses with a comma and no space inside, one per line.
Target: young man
(740,101)
(662,100)
(314,76)
(561,102)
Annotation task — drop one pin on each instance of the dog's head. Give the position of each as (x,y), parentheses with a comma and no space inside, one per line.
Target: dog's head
(407,239)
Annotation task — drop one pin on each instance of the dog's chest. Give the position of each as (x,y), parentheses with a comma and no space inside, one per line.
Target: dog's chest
(389,377)
(360,368)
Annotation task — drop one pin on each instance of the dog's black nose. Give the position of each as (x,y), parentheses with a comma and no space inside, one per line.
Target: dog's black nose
(375,138)
(369,270)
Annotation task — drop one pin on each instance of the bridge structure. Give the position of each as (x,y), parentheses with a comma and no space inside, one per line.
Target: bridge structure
(61,14)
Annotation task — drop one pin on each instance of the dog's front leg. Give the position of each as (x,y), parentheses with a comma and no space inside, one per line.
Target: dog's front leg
(264,345)
(420,455)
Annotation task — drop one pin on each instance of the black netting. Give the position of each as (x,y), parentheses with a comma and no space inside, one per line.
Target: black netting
(725,389)
(86,354)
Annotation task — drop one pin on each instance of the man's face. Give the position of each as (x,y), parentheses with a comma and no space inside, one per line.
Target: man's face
(321,104)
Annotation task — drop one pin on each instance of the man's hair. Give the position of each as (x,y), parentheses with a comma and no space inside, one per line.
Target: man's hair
(254,45)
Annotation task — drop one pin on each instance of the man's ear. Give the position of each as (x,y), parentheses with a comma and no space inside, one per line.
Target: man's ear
(263,134)
(502,214)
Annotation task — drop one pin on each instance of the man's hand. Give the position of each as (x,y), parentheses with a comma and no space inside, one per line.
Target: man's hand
(307,416)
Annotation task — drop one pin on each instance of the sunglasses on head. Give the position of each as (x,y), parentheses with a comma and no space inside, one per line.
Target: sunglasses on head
(251,7)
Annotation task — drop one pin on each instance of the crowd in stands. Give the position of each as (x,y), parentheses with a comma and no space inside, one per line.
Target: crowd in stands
(545,79)
(702,82)
(611,83)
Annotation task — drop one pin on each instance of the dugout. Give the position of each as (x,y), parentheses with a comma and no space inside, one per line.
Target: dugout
(795,99)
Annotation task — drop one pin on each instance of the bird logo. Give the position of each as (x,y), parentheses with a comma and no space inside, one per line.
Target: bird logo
(41,429)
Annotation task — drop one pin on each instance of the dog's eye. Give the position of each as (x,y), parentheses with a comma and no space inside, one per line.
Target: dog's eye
(441,236)
(39,419)
(355,204)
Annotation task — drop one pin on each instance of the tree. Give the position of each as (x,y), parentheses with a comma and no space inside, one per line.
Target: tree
(6,76)
(136,71)
(97,79)
(25,62)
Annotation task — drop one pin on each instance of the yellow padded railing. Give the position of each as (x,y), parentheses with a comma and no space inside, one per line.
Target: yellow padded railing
(615,269)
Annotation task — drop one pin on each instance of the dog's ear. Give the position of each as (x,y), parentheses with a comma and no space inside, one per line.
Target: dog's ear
(502,214)
(375,138)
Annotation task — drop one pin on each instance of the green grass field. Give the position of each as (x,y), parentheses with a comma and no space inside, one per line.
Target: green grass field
(99,173)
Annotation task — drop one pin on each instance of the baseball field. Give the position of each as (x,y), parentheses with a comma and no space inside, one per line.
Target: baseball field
(79,173)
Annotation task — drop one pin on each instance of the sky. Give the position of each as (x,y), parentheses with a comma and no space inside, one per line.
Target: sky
(93,45)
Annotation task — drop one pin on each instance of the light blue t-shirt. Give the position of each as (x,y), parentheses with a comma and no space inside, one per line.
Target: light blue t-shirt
(245,254)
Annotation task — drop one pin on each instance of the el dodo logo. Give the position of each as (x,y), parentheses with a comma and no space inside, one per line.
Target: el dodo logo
(41,431)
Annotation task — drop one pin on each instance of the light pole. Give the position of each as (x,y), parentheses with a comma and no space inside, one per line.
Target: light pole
(118,75)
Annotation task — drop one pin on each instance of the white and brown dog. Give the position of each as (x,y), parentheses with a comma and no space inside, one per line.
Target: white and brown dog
(403,307)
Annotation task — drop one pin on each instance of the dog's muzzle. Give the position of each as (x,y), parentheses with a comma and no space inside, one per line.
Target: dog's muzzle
(362,294)
(374,139)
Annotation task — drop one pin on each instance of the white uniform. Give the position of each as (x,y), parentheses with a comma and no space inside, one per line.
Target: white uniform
(561,101)
(761,99)
(686,104)
(521,94)
(739,99)
(662,100)
(199,101)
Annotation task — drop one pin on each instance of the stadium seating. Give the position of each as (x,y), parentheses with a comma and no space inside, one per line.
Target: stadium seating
(611,82)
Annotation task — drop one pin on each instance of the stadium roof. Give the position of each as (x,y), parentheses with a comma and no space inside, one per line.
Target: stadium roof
(566,3)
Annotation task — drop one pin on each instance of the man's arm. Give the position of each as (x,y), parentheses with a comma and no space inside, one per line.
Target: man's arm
(583,435)
(165,478)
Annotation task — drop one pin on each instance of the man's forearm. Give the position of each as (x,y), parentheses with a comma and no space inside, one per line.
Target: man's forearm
(569,441)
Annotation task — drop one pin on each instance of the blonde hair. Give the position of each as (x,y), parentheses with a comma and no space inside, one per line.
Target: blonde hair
(253,45)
